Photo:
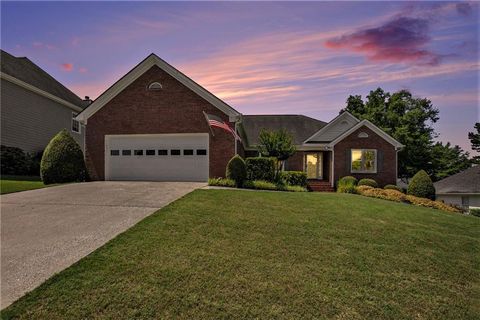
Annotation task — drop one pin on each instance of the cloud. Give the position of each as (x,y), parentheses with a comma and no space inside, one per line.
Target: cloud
(67,67)
(464,8)
(399,40)
(82,70)
(41,45)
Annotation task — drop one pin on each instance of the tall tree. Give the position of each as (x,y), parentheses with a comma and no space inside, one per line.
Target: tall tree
(475,141)
(448,160)
(406,118)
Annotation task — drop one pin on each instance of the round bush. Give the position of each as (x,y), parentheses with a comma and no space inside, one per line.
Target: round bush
(62,160)
(421,186)
(348,179)
(392,187)
(368,182)
(236,170)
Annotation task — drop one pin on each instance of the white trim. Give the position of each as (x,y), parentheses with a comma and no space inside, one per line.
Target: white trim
(74,115)
(139,70)
(39,91)
(372,127)
(331,123)
(364,171)
(457,194)
(332,161)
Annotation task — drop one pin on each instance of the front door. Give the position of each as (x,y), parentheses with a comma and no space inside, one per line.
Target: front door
(314,165)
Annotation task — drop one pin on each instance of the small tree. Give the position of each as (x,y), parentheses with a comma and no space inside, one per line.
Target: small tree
(62,160)
(474,138)
(278,144)
(236,170)
(421,186)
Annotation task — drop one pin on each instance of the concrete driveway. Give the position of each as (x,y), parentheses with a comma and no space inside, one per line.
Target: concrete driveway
(44,231)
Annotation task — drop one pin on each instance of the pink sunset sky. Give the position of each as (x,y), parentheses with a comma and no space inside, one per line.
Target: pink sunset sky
(265,57)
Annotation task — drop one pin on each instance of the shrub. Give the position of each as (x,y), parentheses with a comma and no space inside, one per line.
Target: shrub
(236,170)
(14,161)
(219,182)
(348,179)
(421,186)
(347,185)
(62,160)
(392,187)
(261,185)
(295,189)
(424,202)
(294,178)
(261,168)
(368,182)
(475,212)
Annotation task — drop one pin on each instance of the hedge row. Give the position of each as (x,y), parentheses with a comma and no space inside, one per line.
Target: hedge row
(14,161)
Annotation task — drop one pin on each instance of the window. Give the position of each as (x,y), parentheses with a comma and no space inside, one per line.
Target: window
(126,152)
(138,152)
(175,152)
(75,123)
(201,152)
(114,152)
(155,86)
(364,160)
(163,152)
(188,152)
(465,202)
(150,152)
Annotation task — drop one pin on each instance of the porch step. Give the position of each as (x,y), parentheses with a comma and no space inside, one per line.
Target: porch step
(320,186)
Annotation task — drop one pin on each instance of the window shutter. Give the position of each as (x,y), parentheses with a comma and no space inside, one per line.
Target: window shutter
(379,160)
(348,160)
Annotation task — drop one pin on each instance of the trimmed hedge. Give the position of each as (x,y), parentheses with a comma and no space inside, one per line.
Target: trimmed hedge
(236,170)
(368,182)
(394,195)
(62,160)
(421,186)
(294,178)
(261,168)
(220,182)
(392,187)
(267,185)
(347,184)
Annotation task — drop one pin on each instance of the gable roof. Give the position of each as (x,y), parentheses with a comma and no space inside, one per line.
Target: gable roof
(28,73)
(141,68)
(372,127)
(334,128)
(464,182)
(299,126)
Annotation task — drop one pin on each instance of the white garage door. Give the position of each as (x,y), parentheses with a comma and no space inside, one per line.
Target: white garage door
(160,157)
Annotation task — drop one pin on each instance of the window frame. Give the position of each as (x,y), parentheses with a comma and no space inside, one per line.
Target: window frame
(362,161)
(173,152)
(74,114)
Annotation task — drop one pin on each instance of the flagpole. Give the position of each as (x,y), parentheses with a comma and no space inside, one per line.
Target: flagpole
(235,138)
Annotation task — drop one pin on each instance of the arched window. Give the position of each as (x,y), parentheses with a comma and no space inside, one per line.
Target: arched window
(154,86)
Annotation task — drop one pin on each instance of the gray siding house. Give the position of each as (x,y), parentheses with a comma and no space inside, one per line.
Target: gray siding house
(35,106)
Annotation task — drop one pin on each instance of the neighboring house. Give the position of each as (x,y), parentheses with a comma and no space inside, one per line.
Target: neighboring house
(150,125)
(35,106)
(461,189)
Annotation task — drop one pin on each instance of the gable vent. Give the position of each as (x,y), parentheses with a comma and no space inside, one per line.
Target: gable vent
(363,135)
(154,86)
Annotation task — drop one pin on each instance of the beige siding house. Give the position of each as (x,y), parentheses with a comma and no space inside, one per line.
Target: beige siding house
(461,189)
(35,106)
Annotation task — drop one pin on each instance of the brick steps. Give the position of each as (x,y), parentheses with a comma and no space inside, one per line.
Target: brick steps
(320,186)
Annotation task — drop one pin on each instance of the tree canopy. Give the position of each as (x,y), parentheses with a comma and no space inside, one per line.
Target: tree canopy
(407,119)
(475,141)
(448,160)
(278,144)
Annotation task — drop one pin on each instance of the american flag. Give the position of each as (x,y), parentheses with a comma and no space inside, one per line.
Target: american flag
(214,121)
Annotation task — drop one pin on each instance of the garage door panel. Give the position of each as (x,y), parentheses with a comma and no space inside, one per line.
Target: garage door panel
(157,167)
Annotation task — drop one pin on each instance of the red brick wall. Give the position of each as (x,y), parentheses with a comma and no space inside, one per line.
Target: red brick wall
(174,109)
(386,172)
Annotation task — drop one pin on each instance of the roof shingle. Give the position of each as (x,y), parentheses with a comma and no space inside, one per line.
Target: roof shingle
(467,181)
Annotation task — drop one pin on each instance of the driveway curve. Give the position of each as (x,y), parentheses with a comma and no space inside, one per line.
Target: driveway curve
(46,230)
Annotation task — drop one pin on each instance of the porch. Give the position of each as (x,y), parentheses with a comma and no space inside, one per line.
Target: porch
(318,167)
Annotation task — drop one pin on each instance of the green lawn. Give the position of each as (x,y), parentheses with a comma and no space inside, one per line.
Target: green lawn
(222,254)
(9,184)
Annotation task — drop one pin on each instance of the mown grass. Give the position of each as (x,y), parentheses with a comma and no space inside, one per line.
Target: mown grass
(9,184)
(222,254)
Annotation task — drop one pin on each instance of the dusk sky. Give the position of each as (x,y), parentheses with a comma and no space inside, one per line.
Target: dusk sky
(263,57)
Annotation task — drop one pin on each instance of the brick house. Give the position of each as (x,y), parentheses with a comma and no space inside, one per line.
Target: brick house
(151,125)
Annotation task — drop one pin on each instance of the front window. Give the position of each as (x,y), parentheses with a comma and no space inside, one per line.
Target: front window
(75,123)
(364,160)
